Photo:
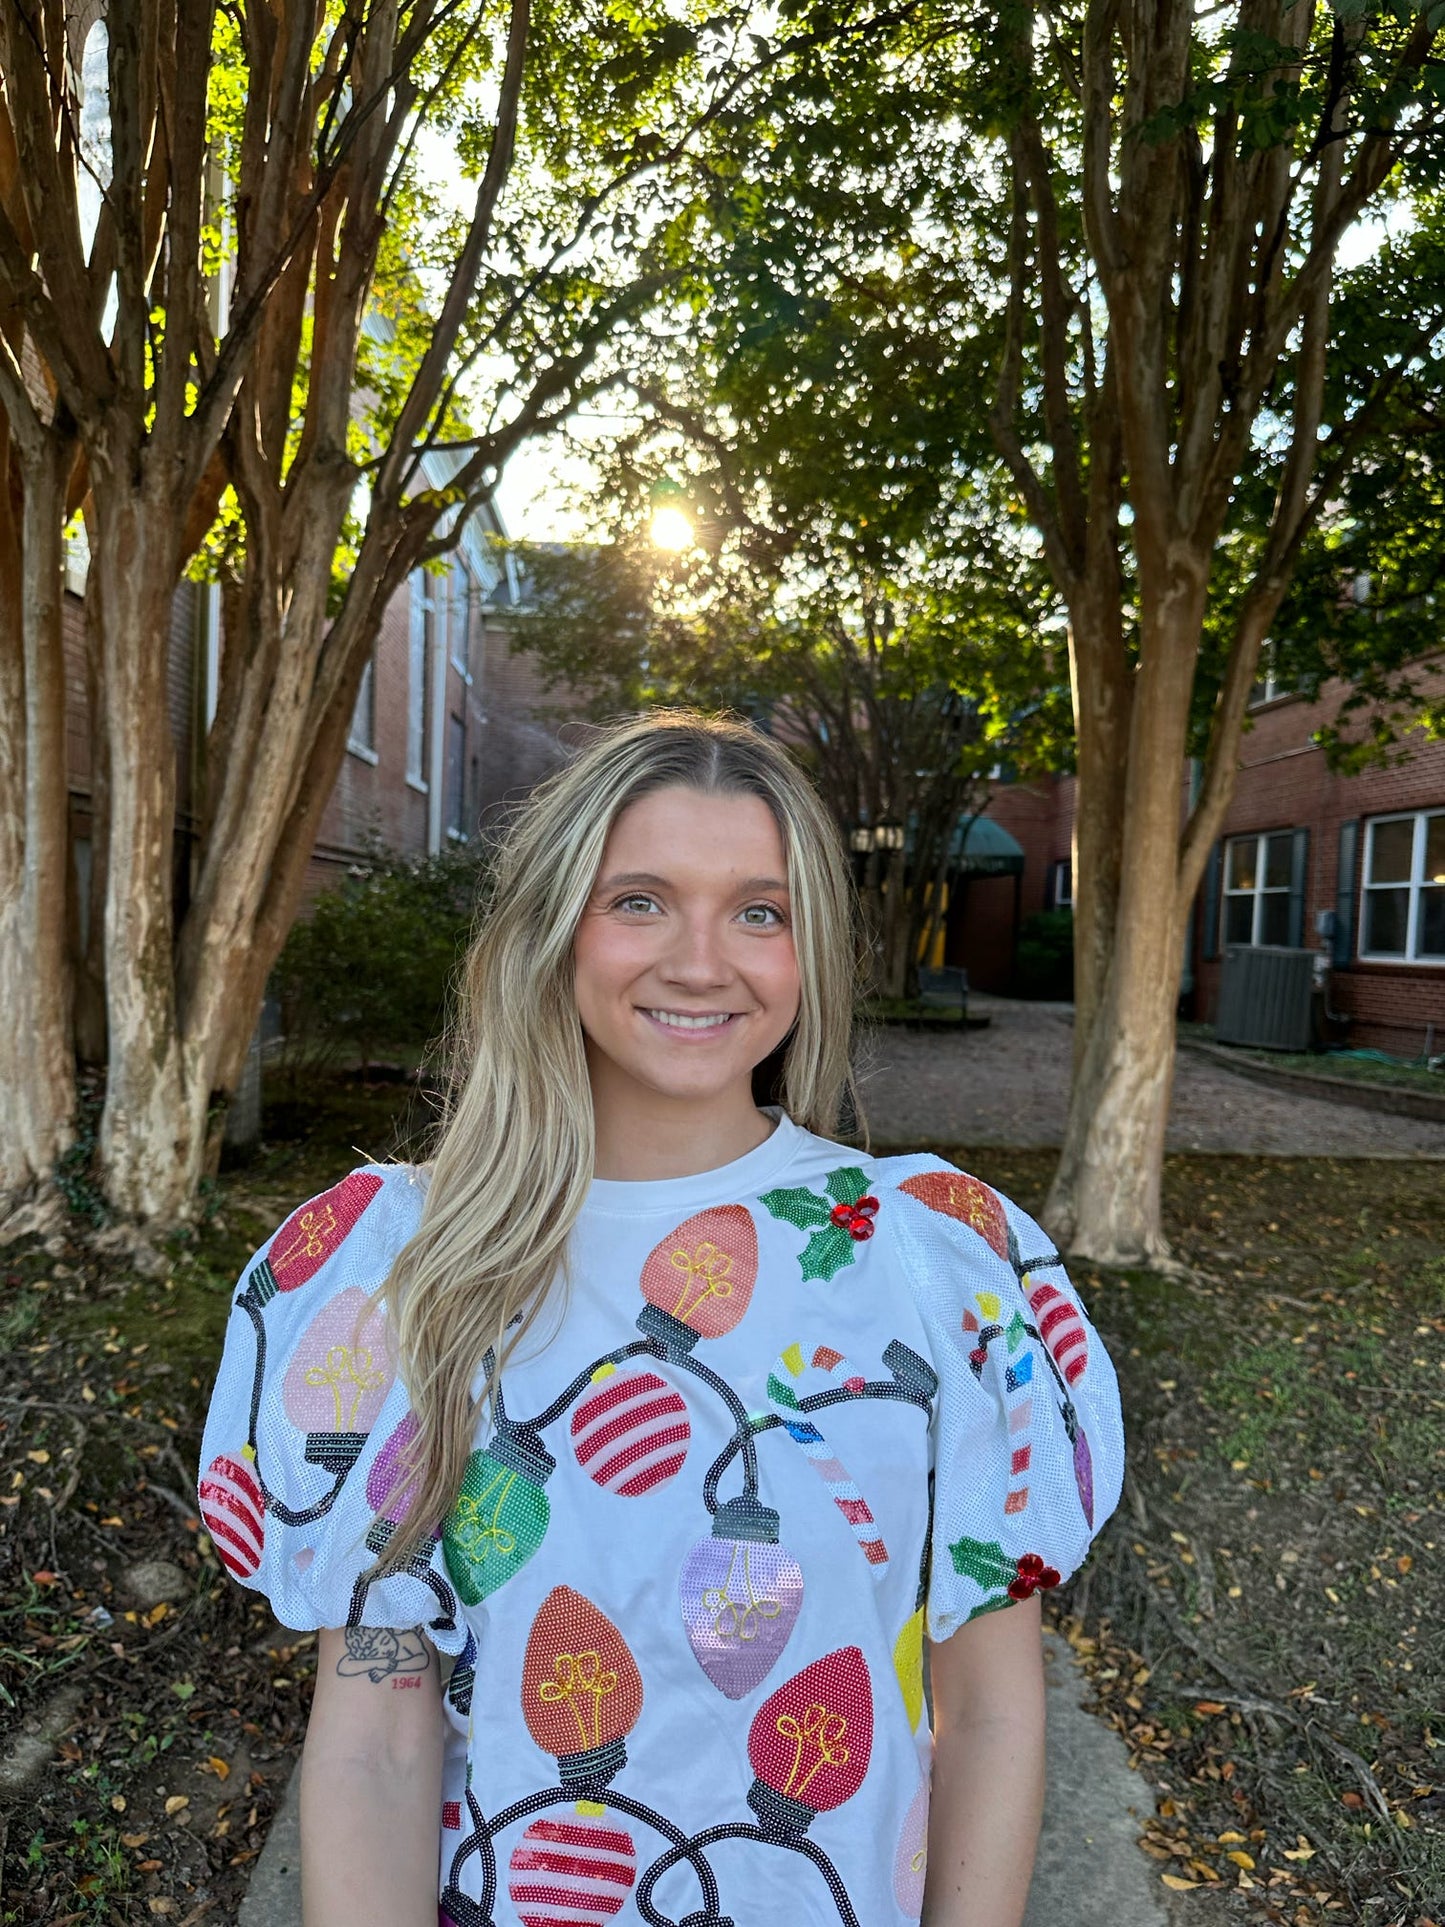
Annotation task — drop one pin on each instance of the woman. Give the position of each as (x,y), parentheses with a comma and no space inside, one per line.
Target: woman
(669,1421)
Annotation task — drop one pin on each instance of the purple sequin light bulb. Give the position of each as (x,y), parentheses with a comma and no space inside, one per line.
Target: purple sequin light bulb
(741,1593)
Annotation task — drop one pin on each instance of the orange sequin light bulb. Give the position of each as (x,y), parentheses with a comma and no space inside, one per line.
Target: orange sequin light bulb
(810,1741)
(698,1281)
(581,1690)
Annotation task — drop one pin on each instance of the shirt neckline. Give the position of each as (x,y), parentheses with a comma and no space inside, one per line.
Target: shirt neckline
(631,1197)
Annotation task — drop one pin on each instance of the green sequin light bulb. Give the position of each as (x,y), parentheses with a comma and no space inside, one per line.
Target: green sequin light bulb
(501,1513)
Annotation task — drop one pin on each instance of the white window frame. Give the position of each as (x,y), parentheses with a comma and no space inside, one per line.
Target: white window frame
(422,615)
(459,618)
(1268,688)
(362,742)
(1062,867)
(1417,882)
(1258,890)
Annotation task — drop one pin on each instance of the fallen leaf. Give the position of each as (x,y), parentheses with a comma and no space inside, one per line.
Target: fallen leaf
(1208,1706)
(117,1803)
(1240,1858)
(134,1839)
(218,1766)
(1178,1885)
(39,1457)
(177,1803)
(1352,1799)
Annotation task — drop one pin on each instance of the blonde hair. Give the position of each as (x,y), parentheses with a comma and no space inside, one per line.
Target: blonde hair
(513,1157)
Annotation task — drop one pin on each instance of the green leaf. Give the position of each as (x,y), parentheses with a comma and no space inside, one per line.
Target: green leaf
(828,1251)
(984,1560)
(847,1185)
(797,1205)
(992,1605)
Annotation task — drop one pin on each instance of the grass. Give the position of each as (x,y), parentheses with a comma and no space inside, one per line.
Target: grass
(1357,1070)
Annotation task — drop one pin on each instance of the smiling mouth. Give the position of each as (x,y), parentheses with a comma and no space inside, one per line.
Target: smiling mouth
(680,1020)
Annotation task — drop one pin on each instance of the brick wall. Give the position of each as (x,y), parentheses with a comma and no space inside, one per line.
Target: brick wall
(1284,783)
(1039,815)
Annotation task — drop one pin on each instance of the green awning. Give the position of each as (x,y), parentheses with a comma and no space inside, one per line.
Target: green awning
(983,848)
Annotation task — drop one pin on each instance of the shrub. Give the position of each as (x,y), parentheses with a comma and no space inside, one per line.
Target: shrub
(370,969)
(1044,962)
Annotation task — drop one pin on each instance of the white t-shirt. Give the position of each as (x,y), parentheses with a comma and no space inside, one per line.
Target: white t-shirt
(785,1415)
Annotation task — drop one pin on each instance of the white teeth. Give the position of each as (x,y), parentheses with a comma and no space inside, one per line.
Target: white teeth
(679,1022)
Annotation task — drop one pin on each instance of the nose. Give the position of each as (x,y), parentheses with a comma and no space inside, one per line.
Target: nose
(696,959)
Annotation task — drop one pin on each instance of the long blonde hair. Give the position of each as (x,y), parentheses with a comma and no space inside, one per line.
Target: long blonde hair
(513,1155)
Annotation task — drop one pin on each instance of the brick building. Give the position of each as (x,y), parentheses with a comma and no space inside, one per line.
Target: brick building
(449,723)
(1353,866)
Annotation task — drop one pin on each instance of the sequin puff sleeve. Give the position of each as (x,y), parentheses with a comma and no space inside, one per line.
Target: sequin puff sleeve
(1028,1435)
(299,1487)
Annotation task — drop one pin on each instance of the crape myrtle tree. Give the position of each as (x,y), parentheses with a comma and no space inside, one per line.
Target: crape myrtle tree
(900,671)
(1109,237)
(275,345)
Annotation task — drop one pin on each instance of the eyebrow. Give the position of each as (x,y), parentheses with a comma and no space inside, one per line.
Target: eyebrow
(646,879)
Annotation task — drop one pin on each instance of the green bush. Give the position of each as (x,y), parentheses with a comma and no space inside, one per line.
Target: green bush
(1044,962)
(369,970)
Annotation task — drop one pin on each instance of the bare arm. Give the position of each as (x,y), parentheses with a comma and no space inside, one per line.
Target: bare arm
(988,1770)
(371,1782)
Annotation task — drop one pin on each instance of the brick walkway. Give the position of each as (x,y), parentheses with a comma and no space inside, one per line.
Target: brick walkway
(1009,1085)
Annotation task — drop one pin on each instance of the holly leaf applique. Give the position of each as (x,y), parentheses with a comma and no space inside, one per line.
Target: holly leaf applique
(831,1244)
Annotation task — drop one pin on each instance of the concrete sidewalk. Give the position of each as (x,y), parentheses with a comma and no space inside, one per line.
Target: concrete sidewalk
(1089,1873)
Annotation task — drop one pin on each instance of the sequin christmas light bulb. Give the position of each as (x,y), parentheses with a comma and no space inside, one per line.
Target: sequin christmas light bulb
(699,1280)
(338,1379)
(741,1593)
(501,1513)
(581,1690)
(310,1235)
(631,1431)
(810,1741)
(910,1862)
(233,1507)
(464,1678)
(390,1488)
(572,1870)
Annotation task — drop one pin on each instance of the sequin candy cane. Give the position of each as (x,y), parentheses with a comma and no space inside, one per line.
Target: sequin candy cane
(830,1469)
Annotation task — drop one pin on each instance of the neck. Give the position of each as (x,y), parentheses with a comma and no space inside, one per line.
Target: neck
(642,1135)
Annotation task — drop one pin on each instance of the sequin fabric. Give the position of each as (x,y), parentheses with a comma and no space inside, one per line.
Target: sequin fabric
(799,1409)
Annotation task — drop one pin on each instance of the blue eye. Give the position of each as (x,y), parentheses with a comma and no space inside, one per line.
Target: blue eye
(636,899)
(756,912)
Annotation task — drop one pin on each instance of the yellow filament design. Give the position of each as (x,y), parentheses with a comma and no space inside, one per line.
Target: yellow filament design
(819,1731)
(313,1228)
(919,1860)
(707,1263)
(580,1674)
(734,1618)
(477,1536)
(343,1367)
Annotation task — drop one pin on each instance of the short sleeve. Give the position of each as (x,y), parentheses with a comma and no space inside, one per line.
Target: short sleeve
(1028,1446)
(308,1415)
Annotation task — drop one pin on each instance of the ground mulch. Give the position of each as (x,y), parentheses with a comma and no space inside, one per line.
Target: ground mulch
(1260,1620)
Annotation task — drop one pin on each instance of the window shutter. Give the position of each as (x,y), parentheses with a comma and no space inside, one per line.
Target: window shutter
(1213,876)
(1298,872)
(1344,940)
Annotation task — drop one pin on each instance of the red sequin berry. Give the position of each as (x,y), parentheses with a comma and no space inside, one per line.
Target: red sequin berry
(1034,1576)
(856,1219)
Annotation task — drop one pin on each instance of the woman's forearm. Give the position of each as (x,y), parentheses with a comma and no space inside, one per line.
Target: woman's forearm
(983,1823)
(369,1837)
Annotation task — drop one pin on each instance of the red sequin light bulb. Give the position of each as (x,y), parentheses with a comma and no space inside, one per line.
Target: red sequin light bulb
(699,1280)
(581,1690)
(810,1741)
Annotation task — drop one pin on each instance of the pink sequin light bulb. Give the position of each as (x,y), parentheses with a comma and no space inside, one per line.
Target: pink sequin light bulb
(337,1382)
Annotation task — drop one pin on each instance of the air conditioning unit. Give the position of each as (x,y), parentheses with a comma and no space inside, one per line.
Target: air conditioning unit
(1265,997)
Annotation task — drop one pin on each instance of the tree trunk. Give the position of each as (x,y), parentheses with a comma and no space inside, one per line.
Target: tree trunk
(148,1144)
(89,954)
(37,1066)
(1104,1202)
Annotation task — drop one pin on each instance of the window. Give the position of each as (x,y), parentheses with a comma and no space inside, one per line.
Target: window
(1257,888)
(1272,682)
(362,738)
(1404,907)
(1059,894)
(459,619)
(418,681)
(456,777)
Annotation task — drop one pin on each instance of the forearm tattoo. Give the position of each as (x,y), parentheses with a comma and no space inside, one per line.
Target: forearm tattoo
(381,1653)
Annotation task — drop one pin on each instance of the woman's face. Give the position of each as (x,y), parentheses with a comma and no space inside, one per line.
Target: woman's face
(686,973)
